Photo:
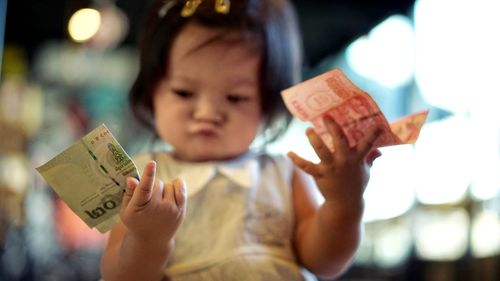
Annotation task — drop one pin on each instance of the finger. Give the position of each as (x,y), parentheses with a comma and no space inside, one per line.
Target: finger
(340,142)
(366,143)
(180,193)
(307,166)
(319,146)
(144,191)
(168,193)
(372,155)
(158,191)
(130,185)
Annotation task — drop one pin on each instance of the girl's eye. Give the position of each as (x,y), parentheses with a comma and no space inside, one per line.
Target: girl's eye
(182,93)
(237,99)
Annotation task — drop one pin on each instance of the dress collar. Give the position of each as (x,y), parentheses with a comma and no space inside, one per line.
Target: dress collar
(242,171)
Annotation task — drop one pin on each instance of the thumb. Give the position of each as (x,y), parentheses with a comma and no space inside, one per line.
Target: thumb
(130,185)
(305,165)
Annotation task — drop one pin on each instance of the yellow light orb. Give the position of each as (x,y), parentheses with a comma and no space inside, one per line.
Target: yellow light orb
(84,24)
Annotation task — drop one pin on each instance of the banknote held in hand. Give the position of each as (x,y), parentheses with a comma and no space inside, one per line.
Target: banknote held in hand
(334,95)
(90,177)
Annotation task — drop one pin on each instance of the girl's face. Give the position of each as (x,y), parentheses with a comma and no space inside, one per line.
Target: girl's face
(208,106)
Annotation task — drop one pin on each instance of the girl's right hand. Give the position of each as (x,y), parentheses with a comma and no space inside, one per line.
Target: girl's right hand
(151,209)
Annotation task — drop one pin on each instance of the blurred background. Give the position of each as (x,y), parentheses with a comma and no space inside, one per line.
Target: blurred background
(432,209)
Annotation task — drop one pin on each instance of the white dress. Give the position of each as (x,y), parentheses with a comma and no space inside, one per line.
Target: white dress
(239,221)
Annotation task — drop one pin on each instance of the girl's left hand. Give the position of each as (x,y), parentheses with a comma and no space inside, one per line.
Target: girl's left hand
(341,175)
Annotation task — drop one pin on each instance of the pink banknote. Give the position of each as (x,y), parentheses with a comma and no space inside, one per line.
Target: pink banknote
(333,94)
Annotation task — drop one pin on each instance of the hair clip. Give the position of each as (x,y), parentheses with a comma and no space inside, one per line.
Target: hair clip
(190,7)
(222,6)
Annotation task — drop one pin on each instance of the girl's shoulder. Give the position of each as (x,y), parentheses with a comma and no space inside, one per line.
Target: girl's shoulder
(275,162)
(278,158)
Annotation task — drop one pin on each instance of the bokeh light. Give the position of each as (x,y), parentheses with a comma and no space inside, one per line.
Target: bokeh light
(84,24)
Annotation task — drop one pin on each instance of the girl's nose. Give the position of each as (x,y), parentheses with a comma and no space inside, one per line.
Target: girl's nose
(208,110)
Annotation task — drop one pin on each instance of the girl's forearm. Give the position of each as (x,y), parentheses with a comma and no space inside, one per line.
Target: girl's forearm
(327,241)
(136,259)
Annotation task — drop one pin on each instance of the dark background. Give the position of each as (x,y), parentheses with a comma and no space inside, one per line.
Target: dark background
(327,25)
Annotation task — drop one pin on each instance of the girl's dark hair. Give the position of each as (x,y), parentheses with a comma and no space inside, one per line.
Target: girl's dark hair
(272,22)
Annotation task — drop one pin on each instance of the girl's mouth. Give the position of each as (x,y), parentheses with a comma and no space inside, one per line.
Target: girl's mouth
(205,130)
(206,133)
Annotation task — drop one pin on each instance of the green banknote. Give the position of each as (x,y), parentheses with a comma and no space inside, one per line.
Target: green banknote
(90,177)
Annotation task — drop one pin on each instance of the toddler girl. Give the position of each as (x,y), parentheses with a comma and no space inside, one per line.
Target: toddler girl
(209,83)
